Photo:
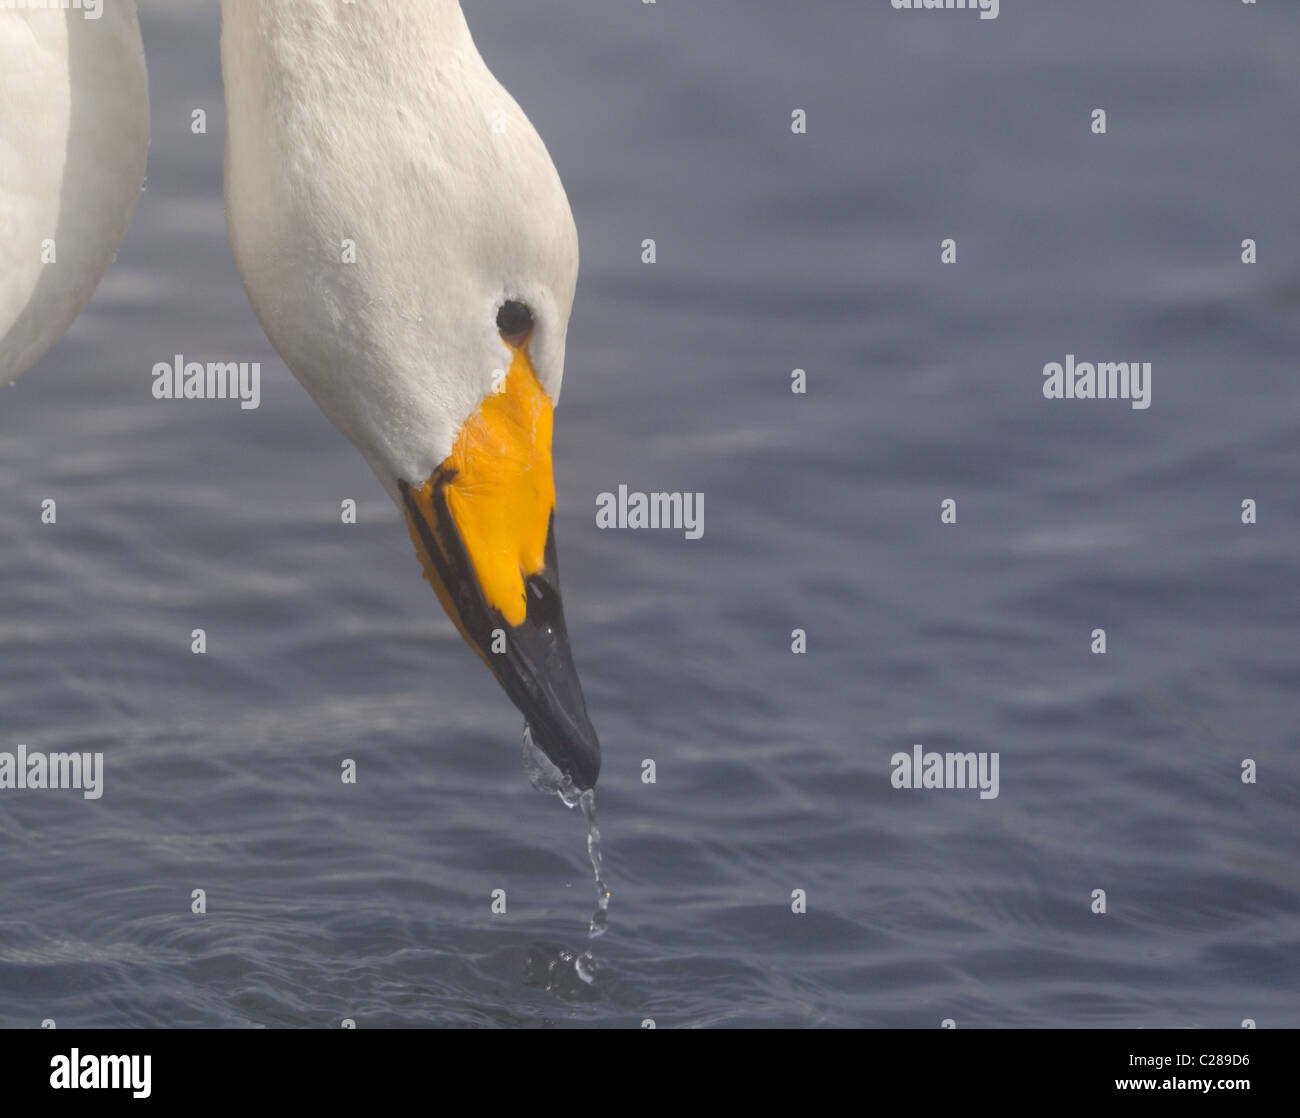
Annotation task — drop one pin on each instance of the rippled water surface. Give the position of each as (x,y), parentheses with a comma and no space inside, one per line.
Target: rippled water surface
(821,252)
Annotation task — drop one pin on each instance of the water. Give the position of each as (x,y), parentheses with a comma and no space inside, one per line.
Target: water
(547,778)
(600,918)
(372,900)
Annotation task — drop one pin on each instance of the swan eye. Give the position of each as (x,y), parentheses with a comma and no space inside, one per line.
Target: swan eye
(515,321)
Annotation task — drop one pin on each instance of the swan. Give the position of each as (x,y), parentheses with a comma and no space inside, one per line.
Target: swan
(408,247)
(74,139)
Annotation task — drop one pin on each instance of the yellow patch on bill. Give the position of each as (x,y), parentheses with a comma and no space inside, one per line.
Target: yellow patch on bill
(500,490)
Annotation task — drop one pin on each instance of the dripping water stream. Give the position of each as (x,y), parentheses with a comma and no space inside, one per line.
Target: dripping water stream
(545,777)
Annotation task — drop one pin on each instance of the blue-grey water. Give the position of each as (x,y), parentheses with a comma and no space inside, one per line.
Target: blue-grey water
(1119,772)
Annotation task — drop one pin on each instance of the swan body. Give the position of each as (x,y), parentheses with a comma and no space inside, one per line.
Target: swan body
(74,139)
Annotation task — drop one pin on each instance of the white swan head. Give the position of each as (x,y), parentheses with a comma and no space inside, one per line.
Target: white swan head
(408,246)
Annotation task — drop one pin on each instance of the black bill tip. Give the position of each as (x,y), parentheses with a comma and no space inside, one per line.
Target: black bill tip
(534,663)
(536,669)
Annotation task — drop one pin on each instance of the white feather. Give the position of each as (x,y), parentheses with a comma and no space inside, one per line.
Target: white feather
(74,138)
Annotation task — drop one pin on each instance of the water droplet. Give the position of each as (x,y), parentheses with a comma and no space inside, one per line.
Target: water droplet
(546,777)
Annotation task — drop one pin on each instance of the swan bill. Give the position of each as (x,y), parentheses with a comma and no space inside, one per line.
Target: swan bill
(484,528)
